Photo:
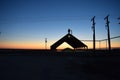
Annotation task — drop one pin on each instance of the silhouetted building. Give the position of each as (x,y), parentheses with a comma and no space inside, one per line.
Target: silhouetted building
(71,40)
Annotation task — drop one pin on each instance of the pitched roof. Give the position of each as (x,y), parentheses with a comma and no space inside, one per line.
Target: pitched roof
(71,40)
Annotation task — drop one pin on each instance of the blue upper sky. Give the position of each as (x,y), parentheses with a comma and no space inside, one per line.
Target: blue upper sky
(35,20)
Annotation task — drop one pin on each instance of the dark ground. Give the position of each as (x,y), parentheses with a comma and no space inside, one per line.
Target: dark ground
(46,65)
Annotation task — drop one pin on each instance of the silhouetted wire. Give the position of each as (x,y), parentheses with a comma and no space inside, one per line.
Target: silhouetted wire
(102,39)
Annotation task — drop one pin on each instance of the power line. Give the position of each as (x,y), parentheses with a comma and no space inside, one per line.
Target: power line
(101,39)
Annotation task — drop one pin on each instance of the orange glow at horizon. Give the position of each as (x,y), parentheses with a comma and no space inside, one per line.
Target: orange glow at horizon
(37,45)
(22,45)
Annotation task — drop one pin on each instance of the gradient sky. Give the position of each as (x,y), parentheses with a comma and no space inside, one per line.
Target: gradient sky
(26,23)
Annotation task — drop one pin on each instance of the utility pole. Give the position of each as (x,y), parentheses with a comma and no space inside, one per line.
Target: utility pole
(107,26)
(93,27)
(45,43)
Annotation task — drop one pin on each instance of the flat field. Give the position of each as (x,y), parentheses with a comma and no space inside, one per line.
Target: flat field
(48,65)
